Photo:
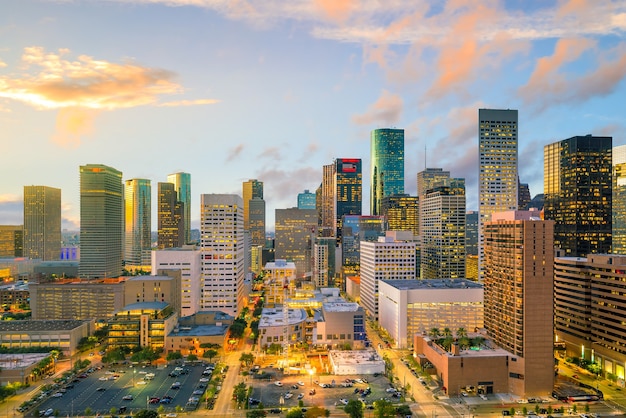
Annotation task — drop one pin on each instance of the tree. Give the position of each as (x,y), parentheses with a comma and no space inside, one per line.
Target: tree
(88,411)
(113,410)
(174,355)
(240,393)
(354,408)
(274,348)
(210,354)
(384,409)
(161,409)
(144,413)
(247,358)
(404,410)
(192,357)
(447,332)
(434,333)
(461,332)
(256,413)
(294,413)
(316,412)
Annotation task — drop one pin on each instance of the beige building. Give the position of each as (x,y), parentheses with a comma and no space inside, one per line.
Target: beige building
(589,309)
(197,329)
(518,280)
(272,327)
(62,335)
(143,324)
(280,279)
(340,323)
(158,288)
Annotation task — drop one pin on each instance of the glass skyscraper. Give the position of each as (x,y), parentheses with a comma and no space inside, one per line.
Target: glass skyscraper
(254,211)
(171,232)
(306,200)
(182,185)
(348,190)
(42,223)
(137,222)
(387,166)
(619,200)
(578,191)
(101,221)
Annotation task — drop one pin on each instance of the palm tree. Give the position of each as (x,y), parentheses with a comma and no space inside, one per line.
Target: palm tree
(434,333)
(447,332)
(461,332)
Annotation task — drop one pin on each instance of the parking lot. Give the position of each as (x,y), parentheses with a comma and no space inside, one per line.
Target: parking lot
(128,389)
(280,391)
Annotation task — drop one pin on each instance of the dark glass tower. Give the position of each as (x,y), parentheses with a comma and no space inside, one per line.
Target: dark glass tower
(348,188)
(387,167)
(578,194)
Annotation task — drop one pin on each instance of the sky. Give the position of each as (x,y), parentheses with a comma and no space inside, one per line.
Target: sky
(231,90)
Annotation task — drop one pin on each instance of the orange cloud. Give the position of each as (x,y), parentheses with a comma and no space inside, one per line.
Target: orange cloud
(336,10)
(189,102)
(72,124)
(387,110)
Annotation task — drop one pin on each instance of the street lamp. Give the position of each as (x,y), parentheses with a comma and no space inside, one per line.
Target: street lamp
(311,377)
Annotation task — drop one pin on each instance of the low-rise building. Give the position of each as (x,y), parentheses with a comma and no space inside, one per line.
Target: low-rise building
(62,335)
(272,326)
(340,324)
(358,362)
(205,327)
(143,324)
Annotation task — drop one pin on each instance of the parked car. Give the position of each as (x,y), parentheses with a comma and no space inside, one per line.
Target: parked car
(278,383)
(344,401)
(127,397)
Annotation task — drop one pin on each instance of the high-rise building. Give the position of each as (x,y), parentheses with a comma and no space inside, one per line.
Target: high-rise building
(619,200)
(519,267)
(320,265)
(294,229)
(401,212)
(42,222)
(431,178)
(11,241)
(523,195)
(578,193)
(138,222)
(327,200)
(497,174)
(222,246)
(442,219)
(348,191)
(471,232)
(356,229)
(187,260)
(182,185)
(254,211)
(306,200)
(171,225)
(387,166)
(390,258)
(101,221)
(589,310)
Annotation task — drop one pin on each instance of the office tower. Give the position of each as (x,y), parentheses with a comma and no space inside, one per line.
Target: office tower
(387,166)
(306,200)
(430,178)
(171,225)
(519,267)
(320,265)
(578,194)
(523,195)
(187,259)
(182,185)
(11,241)
(589,310)
(254,211)
(101,221)
(497,174)
(537,202)
(327,200)
(442,218)
(42,222)
(391,257)
(401,212)
(471,232)
(222,246)
(358,228)
(294,228)
(138,222)
(256,259)
(318,204)
(619,200)
(348,191)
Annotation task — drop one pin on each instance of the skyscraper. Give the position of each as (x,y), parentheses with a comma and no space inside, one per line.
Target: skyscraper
(518,280)
(101,221)
(402,212)
(357,229)
(306,200)
(42,222)
(442,219)
(182,185)
(387,165)
(578,193)
(619,200)
(222,246)
(348,191)
(11,241)
(254,211)
(294,229)
(327,200)
(430,178)
(497,174)
(171,232)
(138,222)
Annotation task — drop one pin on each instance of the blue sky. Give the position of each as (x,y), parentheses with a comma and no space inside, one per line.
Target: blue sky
(229,90)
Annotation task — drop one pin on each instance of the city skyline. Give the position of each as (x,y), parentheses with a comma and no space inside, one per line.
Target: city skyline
(211,80)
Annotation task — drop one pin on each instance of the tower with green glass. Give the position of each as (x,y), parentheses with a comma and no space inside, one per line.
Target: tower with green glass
(387,166)
(182,185)
(137,222)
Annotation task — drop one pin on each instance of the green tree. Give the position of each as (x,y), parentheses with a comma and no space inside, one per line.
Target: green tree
(160,409)
(447,332)
(433,333)
(144,413)
(88,411)
(210,354)
(240,393)
(537,409)
(354,408)
(173,355)
(524,411)
(294,413)
(247,358)
(192,357)
(113,410)
(256,413)
(461,332)
(512,411)
(404,410)
(384,409)
(316,412)
(274,348)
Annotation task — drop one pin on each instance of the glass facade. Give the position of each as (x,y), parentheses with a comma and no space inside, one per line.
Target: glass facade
(619,200)
(171,228)
(182,185)
(42,223)
(348,190)
(138,222)
(387,166)
(401,212)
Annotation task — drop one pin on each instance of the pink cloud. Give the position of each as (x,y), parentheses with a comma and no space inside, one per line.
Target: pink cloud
(336,10)
(72,124)
(233,153)
(386,110)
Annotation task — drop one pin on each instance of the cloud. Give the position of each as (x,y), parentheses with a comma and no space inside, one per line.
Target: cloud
(234,153)
(189,102)
(271,153)
(72,124)
(336,10)
(386,110)
(283,189)
(2,64)
(11,209)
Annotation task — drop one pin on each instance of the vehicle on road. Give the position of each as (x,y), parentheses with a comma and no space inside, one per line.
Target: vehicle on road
(301,383)
(344,401)
(300,396)
(278,383)
(154,400)
(288,395)
(101,389)
(127,397)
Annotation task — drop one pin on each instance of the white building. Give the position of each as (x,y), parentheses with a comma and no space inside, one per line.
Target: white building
(356,362)
(340,323)
(272,326)
(409,307)
(187,260)
(222,247)
(391,257)
(280,277)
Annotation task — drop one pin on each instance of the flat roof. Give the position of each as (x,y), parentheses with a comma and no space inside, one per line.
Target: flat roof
(271,317)
(355,356)
(410,284)
(40,325)
(19,361)
(149,277)
(340,306)
(145,305)
(200,331)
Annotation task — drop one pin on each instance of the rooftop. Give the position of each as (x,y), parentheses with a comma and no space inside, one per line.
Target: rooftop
(274,317)
(340,306)
(199,331)
(433,284)
(40,325)
(19,361)
(355,356)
